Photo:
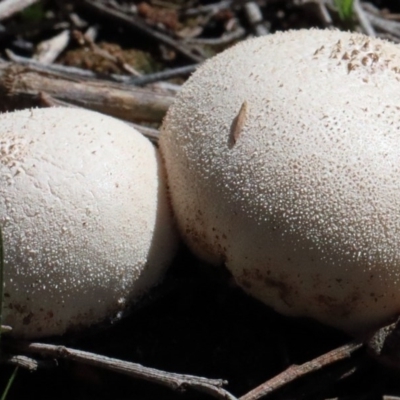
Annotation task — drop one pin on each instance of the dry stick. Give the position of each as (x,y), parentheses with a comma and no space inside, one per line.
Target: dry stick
(255,17)
(171,380)
(225,39)
(78,73)
(214,7)
(65,70)
(5,329)
(48,50)
(133,22)
(20,86)
(363,19)
(390,26)
(163,75)
(206,9)
(297,371)
(10,7)
(324,13)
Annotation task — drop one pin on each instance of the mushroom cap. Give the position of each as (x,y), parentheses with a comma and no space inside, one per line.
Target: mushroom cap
(283,161)
(86,223)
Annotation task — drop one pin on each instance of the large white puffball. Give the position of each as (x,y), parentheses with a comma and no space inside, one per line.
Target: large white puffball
(283,160)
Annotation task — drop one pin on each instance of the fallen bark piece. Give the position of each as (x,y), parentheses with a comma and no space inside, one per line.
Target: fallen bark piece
(20,87)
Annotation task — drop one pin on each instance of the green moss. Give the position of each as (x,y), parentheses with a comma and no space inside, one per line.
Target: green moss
(345,9)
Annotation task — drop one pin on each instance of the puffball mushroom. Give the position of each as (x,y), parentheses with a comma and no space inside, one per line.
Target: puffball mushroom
(86,222)
(283,160)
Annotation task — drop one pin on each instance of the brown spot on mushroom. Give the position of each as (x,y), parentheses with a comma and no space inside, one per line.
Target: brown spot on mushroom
(351,67)
(238,124)
(211,240)
(337,308)
(319,50)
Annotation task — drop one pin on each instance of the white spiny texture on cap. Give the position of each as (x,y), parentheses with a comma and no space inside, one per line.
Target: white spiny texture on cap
(85,218)
(301,201)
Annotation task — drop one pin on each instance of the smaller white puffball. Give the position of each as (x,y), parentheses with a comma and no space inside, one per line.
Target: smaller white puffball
(86,223)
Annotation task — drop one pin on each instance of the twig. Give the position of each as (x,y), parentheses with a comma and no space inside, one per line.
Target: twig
(214,7)
(255,17)
(5,329)
(48,50)
(390,26)
(171,380)
(10,7)
(65,70)
(133,22)
(363,19)
(297,371)
(163,75)
(323,11)
(21,85)
(151,133)
(207,9)
(79,73)
(225,39)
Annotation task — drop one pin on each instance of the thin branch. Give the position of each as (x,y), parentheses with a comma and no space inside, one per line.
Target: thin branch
(151,133)
(224,40)
(5,329)
(66,70)
(255,17)
(163,75)
(10,7)
(363,19)
(48,50)
(133,22)
(79,73)
(298,371)
(214,7)
(171,380)
(324,13)
(21,85)
(207,9)
(379,22)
